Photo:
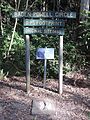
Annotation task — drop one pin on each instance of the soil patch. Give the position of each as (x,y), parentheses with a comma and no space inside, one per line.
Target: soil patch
(15,104)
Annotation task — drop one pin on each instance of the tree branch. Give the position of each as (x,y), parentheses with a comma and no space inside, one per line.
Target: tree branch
(33,3)
(26,4)
(12,38)
(1,25)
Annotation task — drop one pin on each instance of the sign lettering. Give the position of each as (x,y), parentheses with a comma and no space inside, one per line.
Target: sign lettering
(34,22)
(49,31)
(44,14)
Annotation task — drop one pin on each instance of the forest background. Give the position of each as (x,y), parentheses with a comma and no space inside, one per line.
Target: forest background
(76,39)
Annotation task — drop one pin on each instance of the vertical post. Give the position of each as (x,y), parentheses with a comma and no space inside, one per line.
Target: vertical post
(27,45)
(45,67)
(61,65)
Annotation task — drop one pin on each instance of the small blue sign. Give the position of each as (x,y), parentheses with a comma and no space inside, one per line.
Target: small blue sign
(45,53)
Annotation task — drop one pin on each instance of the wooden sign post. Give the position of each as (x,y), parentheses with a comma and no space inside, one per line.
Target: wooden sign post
(44,54)
(45,22)
(27,44)
(60,85)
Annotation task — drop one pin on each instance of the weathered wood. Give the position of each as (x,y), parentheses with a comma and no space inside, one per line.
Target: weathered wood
(61,65)
(48,31)
(45,72)
(27,45)
(38,22)
(44,14)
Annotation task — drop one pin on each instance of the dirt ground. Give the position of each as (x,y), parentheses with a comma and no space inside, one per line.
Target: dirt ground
(15,104)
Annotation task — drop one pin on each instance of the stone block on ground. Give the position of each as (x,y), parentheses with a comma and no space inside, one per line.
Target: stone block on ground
(46,107)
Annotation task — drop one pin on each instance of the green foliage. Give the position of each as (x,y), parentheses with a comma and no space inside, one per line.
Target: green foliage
(37,66)
(6,7)
(76,46)
(88,114)
(15,60)
(84,40)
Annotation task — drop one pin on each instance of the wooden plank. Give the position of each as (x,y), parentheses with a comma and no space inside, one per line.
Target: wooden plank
(61,65)
(48,31)
(27,45)
(34,22)
(44,14)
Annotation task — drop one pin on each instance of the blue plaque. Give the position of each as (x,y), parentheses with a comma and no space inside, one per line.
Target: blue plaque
(40,54)
(45,53)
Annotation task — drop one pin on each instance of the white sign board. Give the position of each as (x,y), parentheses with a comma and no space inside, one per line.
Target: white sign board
(45,53)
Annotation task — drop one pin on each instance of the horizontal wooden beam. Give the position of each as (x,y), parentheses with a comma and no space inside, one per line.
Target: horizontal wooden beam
(48,31)
(43,14)
(38,22)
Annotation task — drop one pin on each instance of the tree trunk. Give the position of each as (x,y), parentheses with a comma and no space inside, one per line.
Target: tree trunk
(1,25)
(84,8)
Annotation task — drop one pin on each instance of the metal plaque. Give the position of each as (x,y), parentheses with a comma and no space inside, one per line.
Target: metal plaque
(45,53)
(48,31)
(34,22)
(44,14)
